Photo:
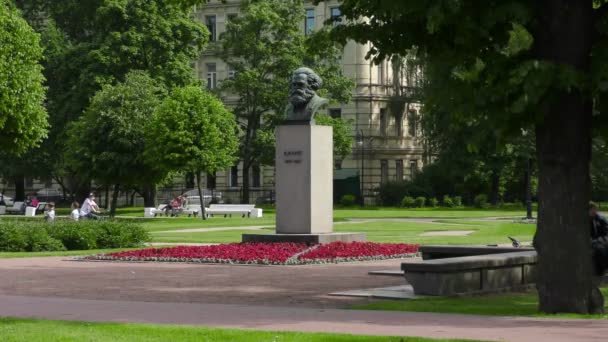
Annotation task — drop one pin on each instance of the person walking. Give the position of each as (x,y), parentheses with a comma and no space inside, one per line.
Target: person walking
(75,214)
(49,214)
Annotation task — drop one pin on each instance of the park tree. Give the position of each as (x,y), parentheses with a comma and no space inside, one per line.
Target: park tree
(263,46)
(192,131)
(23,119)
(107,143)
(506,65)
(93,43)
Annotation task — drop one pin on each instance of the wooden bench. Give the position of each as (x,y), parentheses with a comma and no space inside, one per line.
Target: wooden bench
(493,272)
(229,209)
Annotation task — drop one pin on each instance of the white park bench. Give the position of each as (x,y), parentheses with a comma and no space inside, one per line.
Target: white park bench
(152,212)
(191,210)
(229,209)
(15,209)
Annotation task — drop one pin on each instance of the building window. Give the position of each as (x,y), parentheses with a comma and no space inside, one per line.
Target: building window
(234,176)
(383,171)
(399,125)
(399,169)
(211,181)
(413,168)
(336,16)
(383,121)
(256,176)
(309,24)
(211,26)
(335,113)
(190,180)
(380,76)
(211,76)
(231,73)
(412,119)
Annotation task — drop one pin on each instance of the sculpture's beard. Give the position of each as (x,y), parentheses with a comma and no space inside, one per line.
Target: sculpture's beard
(300,97)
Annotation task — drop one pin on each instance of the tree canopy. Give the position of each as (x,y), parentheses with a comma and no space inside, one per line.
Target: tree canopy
(23,118)
(507,65)
(263,45)
(192,132)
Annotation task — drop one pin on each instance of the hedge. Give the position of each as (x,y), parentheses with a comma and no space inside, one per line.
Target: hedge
(27,236)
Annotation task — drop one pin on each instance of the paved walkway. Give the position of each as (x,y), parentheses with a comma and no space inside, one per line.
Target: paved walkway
(286,298)
(307,319)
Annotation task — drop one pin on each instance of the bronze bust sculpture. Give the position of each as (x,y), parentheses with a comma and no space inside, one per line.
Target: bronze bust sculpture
(303,99)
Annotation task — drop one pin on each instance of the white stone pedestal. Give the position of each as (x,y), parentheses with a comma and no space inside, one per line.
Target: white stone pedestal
(304,179)
(304,187)
(2,209)
(148,212)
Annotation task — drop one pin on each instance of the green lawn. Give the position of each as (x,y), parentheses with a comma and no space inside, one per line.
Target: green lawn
(21,330)
(521,304)
(485,232)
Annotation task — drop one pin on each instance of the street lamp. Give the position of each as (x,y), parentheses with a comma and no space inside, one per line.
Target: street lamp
(360,139)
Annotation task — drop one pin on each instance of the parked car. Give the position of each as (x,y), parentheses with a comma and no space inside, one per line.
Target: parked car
(8,201)
(209,196)
(49,195)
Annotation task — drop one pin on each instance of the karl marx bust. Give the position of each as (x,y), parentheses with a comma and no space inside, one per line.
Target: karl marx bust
(303,99)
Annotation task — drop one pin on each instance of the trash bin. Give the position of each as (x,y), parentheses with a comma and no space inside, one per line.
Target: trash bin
(148,212)
(30,211)
(2,210)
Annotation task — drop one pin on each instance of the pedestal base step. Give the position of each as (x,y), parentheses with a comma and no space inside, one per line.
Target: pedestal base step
(306,238)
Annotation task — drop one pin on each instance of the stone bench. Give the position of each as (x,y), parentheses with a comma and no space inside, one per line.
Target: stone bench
(472,274)
(430,252)
(229,209)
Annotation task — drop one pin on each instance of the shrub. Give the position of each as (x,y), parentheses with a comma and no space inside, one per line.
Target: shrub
(447,201)
(408,202)
(28,236)
(348,200)
(392,193)
(433,202)
(457,201)
(481,201)
(420,202)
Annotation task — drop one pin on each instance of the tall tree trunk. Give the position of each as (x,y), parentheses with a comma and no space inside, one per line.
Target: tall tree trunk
(148,192)
(107,196)
(200,194)
(563,140)
(19,181)
(495,190)
(114,200)
(246,184)
(528,195)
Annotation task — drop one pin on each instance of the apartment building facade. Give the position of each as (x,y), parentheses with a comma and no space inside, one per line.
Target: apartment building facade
(385,147)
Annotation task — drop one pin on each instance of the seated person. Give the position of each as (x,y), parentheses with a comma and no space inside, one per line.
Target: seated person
(599,238)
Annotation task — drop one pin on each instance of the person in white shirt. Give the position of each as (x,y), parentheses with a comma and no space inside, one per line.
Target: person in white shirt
(75,214)
(89,208)
(49,214)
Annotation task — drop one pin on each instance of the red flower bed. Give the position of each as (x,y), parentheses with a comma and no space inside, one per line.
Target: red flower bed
(268,253)
(341,251)
(248,253)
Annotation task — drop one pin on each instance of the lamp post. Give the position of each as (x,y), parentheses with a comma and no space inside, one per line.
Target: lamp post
(360,139)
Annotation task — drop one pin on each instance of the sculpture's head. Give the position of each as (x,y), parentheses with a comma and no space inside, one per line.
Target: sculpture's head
(303,86)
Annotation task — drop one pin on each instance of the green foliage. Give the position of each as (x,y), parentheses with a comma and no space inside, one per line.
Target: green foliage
(28,236)
(348,200)
(481,201)
(420,202)
(391,193)
(342,134)
(408,202)
(433,202)
(108,142)
(457,201)
(23,119)
(447,201)
(192,132)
